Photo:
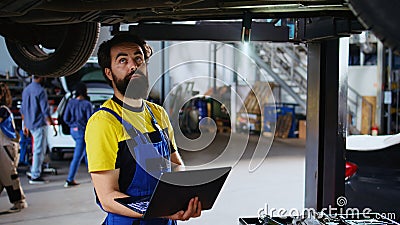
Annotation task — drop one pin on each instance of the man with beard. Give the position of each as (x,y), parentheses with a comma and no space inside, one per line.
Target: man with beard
(35,114)
(130,141)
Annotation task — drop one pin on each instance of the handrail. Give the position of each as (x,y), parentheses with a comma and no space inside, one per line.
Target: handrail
(358,99)
(295,57)
(281,62)
(262,63)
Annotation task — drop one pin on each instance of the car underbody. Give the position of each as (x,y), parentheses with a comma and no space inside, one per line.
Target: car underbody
(55,38)
(127,11)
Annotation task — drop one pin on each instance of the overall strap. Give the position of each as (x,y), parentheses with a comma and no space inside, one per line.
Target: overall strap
(9,131)
(153,119)
(9,111)
(131,130)
(157,127)
(119,118)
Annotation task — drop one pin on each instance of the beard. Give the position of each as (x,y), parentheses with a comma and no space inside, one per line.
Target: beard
(138,88)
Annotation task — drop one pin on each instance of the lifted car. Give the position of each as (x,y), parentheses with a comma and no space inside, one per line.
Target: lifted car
(55,38)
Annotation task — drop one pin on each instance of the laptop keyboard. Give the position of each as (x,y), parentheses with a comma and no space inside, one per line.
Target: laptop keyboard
(139,207)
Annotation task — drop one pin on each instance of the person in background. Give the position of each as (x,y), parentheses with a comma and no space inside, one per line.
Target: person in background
(76,115)
(35,114)
(9,179)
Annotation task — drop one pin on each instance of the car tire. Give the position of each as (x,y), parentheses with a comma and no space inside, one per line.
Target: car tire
(72,49)
(382,17)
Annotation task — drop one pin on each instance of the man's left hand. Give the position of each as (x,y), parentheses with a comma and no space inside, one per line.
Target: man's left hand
(55,130)
(193,210)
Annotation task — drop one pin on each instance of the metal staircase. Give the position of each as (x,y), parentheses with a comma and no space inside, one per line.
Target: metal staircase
(354,106)
(287,64)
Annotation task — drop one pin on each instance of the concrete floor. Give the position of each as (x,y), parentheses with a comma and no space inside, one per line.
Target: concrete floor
(277,183)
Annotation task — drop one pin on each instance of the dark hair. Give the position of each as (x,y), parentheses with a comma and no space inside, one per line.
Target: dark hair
(5,95)
(104,52)
(81,90)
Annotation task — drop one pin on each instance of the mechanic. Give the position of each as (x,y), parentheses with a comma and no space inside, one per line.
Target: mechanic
(126,127)
(35,112)
(9,179)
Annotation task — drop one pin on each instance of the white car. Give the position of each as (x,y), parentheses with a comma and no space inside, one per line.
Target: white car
(98,91)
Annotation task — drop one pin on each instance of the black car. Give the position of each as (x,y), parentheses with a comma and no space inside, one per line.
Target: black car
(374,180)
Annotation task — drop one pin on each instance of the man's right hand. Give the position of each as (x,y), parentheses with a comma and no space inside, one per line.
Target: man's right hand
(25,131)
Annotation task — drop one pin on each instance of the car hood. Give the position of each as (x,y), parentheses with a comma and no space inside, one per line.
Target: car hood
(90,74)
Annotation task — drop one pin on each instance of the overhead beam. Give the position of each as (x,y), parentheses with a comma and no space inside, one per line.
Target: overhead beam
(322,28)
(215,31)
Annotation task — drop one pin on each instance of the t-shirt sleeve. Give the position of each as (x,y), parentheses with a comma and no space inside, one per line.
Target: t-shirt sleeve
(101,143)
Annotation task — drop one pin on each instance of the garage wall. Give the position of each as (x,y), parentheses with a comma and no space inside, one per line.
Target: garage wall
(364,80)
(189,61)
(191,67)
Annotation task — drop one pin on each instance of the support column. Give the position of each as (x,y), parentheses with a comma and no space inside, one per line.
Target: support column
(163,67)
(325,144)
(380,111)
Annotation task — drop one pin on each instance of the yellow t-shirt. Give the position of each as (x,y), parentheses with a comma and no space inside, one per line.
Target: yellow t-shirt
(105,136)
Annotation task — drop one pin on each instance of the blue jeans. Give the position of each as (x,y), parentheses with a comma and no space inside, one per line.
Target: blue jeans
(39,136)
(79,152)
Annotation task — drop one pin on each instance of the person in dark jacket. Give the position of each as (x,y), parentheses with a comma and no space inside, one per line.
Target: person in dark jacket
(76,115)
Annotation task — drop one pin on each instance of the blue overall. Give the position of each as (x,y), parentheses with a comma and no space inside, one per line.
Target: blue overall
(146,176)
